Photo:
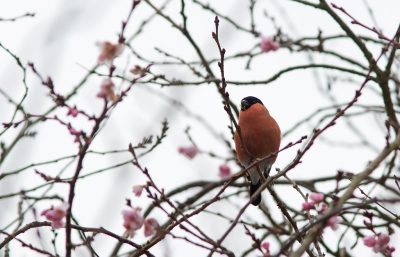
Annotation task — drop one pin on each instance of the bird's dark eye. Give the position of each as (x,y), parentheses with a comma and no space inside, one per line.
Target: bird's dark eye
(244,105)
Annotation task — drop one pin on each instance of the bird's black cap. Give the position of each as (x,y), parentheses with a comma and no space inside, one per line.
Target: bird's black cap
(249,101)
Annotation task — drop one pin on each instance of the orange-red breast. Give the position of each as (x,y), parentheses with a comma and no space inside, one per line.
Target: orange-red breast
(261,135)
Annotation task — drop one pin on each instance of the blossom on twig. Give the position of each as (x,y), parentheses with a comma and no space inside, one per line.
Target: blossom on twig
(109,51)
(379,243)
(334,221)
(137,70)
(265,245)
(150,227)
(308,206)
(190,152)
(56,214)
(317,197)
(224,171)
(107,90)
(74,132)
(72,111)
(267,44)
(137,190)
(133,220)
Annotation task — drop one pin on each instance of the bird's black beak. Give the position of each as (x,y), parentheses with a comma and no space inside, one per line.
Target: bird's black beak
(244,105)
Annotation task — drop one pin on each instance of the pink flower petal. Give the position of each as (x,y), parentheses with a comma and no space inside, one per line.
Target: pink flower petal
(377,248)
(119,49)
(334,221)
(74,132)
(57,224)
(389,250)
(55,215)
(150,227)
(107,90)
(308,206)
(224,171)
(321,208)
(265,245)
(133,220)
(317,197)
(190,152)
(369,241)
(61,211)
(137,190)
(101,95)
(267,44)
(137,70)
(107,83)
(109,51)
(383,239)
(72,111)
(48,214)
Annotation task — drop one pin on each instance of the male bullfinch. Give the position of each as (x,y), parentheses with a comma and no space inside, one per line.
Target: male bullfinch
(261,135)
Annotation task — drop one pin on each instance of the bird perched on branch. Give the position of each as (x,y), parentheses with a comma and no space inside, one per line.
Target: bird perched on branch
(261,136)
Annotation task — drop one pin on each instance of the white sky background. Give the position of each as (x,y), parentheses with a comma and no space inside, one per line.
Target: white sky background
(61,38)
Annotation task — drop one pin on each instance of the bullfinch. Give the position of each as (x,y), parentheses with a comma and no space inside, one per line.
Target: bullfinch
(261,135)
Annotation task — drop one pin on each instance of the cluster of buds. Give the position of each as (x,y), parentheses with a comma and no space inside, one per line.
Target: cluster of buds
(318,205)
(268,44)
(379,243)
(133,221)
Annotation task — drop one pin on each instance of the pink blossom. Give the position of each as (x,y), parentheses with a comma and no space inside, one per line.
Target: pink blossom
(308,206)
(389,250)
(109,51)
(150,226)
(56,224)
(56,214)
(74,132)
(137,190)
(321,208)
(72,111)
(380,244)
(383,239)
(369,241)
(317,197)
(378,248)
(137,70)
(224,171)
(334,221)
(265,245)
(133,220)
(267,44)
(107,90)
(190,152)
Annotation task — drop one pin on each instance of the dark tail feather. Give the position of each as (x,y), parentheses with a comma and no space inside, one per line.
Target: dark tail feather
(253,188)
